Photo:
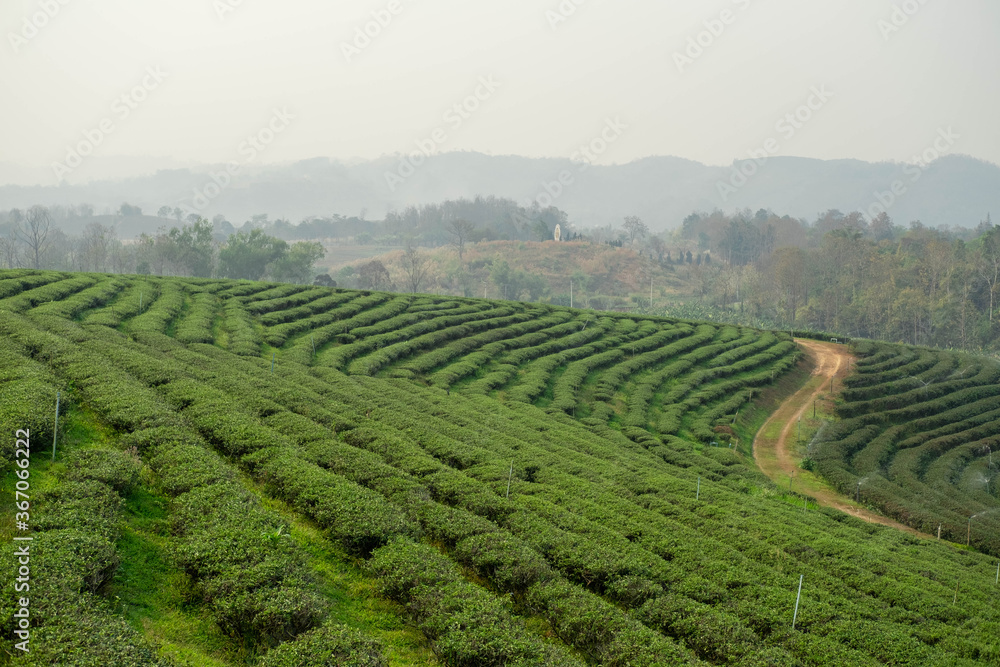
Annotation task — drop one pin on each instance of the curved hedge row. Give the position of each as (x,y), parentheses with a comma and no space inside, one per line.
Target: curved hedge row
(918,429)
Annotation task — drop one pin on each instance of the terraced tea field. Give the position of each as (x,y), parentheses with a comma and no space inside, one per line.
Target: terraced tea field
(260,474)
(918,432)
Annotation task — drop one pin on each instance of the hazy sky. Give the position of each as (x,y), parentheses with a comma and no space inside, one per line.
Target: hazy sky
(201,76)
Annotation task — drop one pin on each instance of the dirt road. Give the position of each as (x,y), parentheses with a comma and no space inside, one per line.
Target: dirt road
(774,444)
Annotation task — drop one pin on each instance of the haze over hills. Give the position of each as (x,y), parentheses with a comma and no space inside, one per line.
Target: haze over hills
(954,190)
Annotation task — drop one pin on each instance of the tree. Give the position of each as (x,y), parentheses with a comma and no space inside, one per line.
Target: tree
(989,262)
(459,230)
(96,245)
(10,242)
(790,276)
(880,227)
(34,233)
(374,275)
(658,247)
(127,210)
(324,280)
(247,254)
(164,212)
(190,248)
(415,265)
(634,228)
(296,266)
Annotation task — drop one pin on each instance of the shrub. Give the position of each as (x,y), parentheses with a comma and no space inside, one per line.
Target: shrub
(119,470)
(331,645)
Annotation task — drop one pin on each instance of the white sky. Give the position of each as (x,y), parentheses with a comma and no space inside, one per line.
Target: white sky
(611,58)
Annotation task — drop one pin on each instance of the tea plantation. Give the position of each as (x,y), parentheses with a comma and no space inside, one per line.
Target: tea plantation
(917,437)
(279,475)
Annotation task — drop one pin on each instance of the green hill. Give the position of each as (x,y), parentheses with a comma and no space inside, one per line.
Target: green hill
(262,474)
(917,436)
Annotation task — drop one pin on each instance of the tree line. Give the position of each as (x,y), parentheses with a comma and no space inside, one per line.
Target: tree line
(862,278)
(31,239)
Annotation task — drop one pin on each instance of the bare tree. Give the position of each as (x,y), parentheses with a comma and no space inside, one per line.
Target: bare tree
(374,275)
(96,244)
(635,228)
(989,263)
(34,233)
(9,243)
(459,231)
(658,246)
(415,266)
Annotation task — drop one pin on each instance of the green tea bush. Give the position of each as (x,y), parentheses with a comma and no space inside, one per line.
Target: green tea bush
(331,645)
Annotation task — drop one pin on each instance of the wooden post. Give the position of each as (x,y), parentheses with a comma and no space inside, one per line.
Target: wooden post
(140,301)
(55,429)
(697,495)
(272,361)
(939,531)
(998,574)
(955,601)
(795,616)
(968,534)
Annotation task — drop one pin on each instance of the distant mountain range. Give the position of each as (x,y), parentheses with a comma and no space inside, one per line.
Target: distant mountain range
(955,190)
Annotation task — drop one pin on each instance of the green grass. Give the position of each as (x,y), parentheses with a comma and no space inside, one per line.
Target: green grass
(766,400)
(354,597)
(154,595)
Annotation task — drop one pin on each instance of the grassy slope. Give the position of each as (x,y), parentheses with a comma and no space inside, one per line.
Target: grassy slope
(604,270)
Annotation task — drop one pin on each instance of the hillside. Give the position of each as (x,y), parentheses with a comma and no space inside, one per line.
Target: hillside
(261,474)
(604,277)
(916,440)
(953,190)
